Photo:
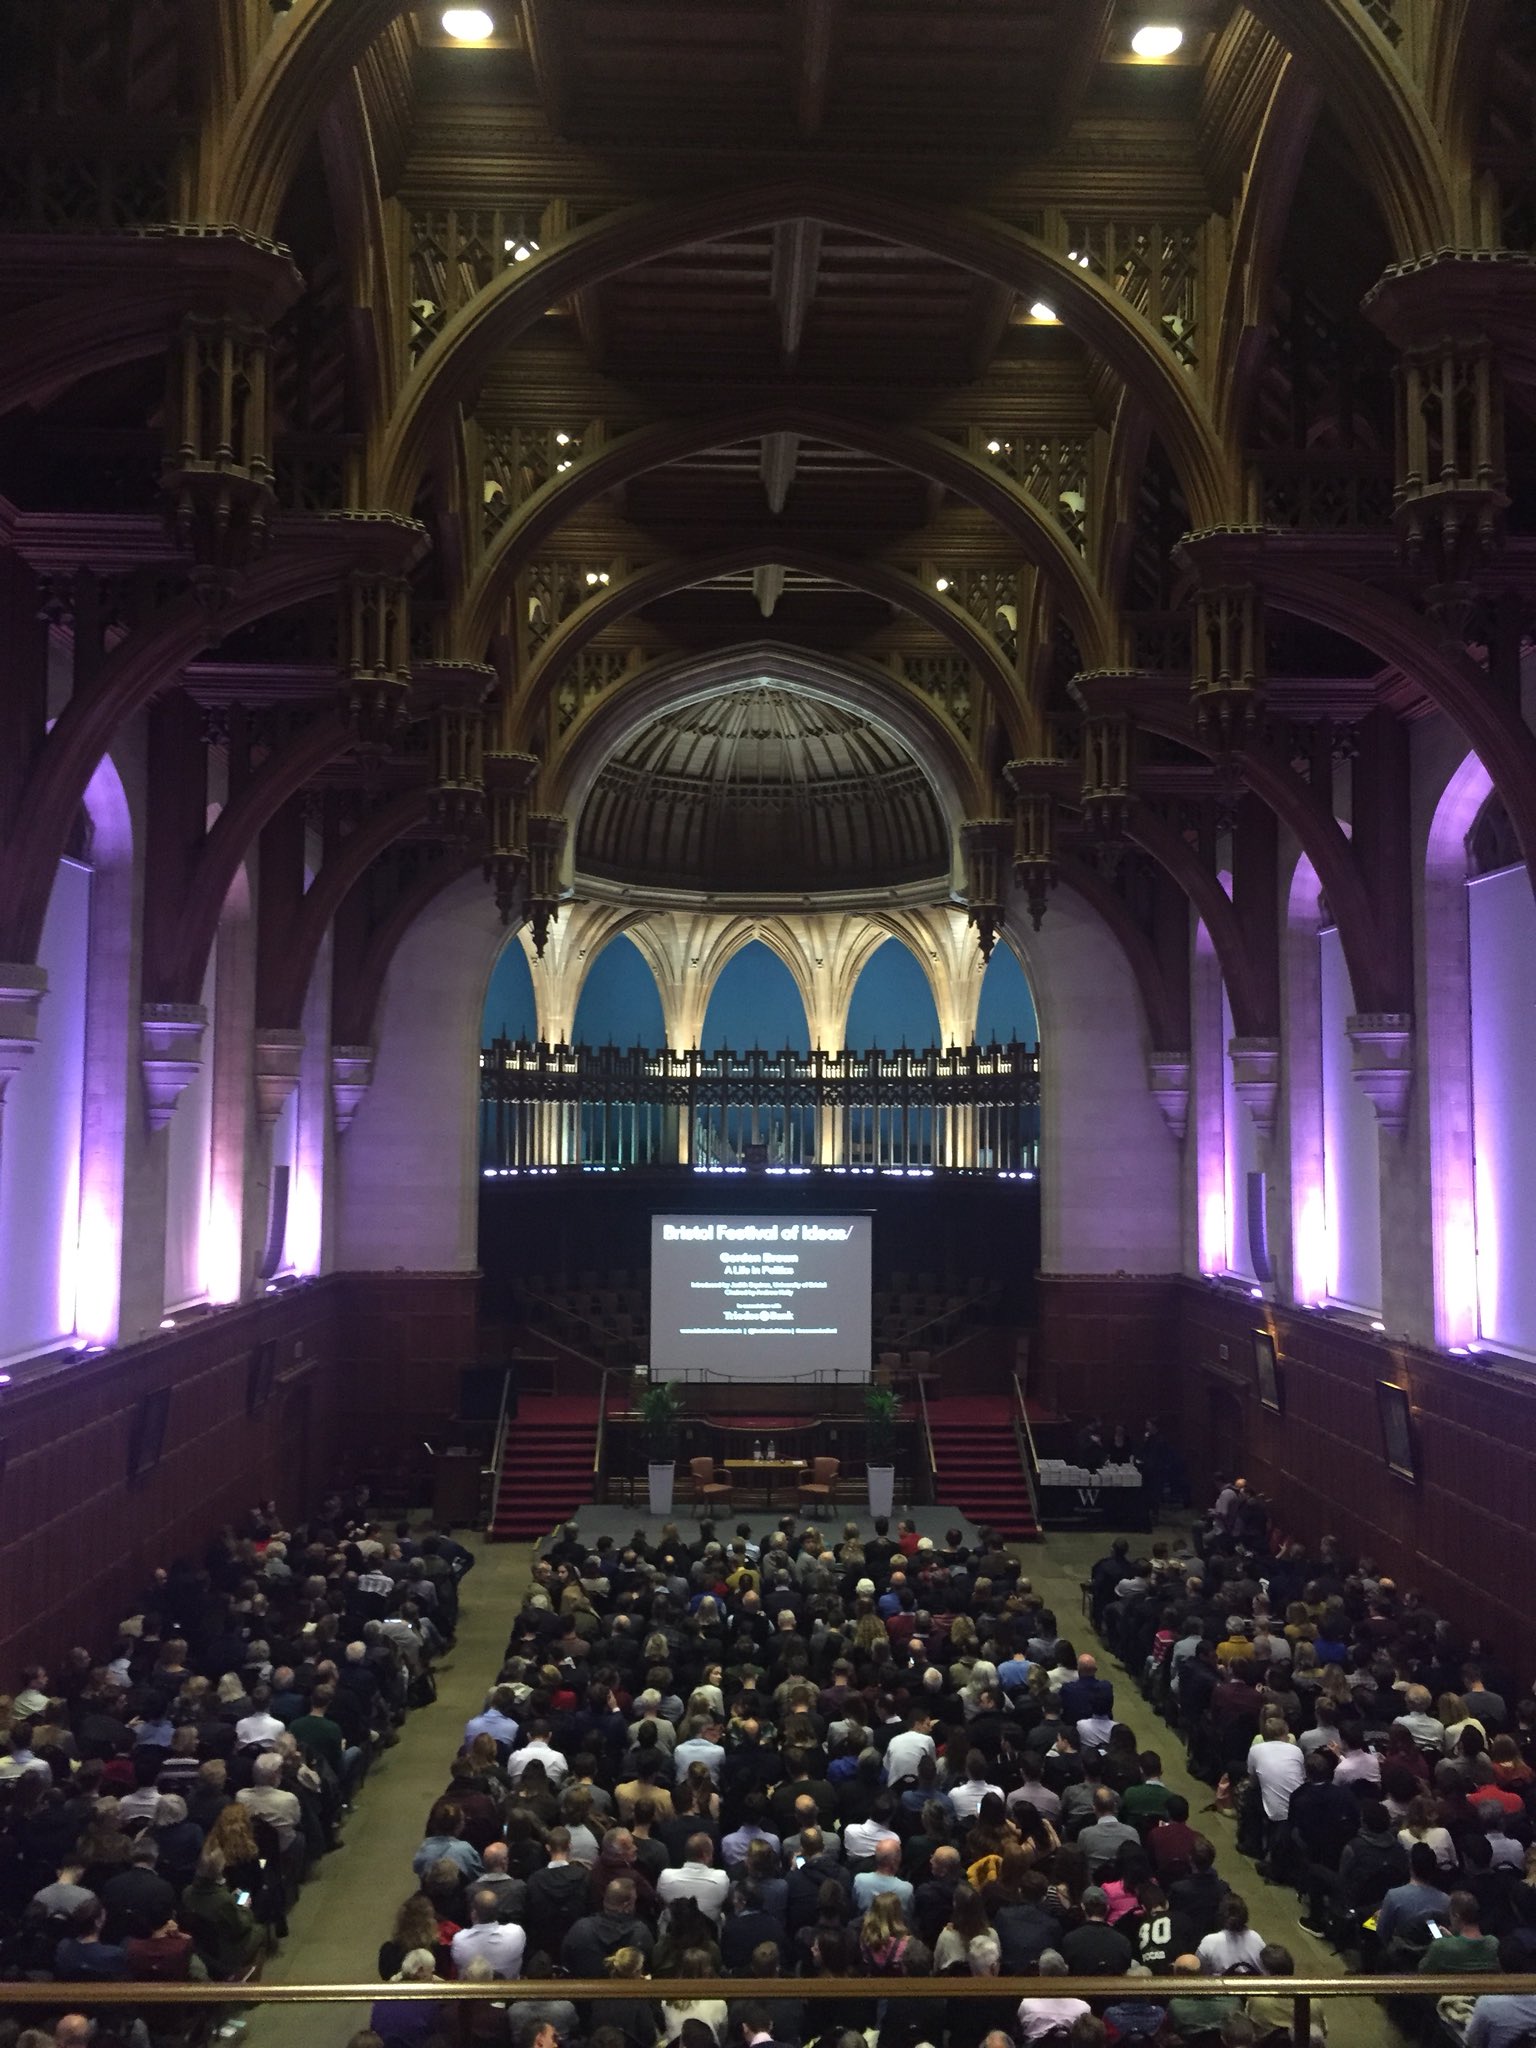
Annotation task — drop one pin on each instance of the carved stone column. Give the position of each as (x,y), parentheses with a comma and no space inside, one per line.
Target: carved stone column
(1227,651)
(546,845)
(1444,313)
(509,778)
(1039,787)
(988,845)
(170,1056)
(456,692)
(374,627)
(217,473)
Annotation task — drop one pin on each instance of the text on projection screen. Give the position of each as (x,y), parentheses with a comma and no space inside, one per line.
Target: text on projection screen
(760,1297)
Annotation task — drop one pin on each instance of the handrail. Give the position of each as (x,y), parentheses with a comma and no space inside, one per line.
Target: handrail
(1029,1434)
(600,1448)
(922,1402)
(498,1455)
(1301,1990)
(1029,1457)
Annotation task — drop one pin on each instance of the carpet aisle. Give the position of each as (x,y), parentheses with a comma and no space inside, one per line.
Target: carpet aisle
(349,1906)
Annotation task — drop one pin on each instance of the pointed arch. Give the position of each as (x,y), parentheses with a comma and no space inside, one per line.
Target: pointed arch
(601,964)
(1349,58)
(857,686)
(878,579)
(861,1041)
(1040,537)
(732,943)
(518,298)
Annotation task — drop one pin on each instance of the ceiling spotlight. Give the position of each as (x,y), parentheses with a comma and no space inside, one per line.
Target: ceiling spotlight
(604,577)
(941,583)
(994,447)
(1157,39)
(1377,1325)
(562,439)
(562,465)
(167,1322)
(1257,1293)
(1077,256)
(1045,314)
(467,24)
(591,576)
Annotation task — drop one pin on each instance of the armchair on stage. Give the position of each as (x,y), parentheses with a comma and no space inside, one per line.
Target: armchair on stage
(710,1488)
(817,1488)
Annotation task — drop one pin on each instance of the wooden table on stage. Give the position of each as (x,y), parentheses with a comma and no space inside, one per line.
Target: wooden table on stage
(770,1468)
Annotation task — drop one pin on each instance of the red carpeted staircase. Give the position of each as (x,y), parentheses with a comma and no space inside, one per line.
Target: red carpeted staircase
(977,1464)
(546,1473)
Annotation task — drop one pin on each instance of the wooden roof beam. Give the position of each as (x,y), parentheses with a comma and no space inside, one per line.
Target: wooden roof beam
(780,453)
(796,265)
(991,306)
(813,43)
(1082,32)
(543,42)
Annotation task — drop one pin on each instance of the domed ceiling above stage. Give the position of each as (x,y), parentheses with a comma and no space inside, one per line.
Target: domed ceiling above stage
(761,791)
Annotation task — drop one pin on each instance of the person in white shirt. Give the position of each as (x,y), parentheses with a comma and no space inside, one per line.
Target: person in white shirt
(1041,2016)
(966,1797)
(260,1728)
(1234,1945)
(556,1768)
(1276,1765)
(905,1751)
(696,1879)
(502,1946)
(861,1838)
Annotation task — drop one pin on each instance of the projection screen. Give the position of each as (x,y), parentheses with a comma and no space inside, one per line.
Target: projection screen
(760,1297)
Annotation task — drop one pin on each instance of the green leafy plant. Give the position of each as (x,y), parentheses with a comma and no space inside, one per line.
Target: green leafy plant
(661,1405)
(882,1411)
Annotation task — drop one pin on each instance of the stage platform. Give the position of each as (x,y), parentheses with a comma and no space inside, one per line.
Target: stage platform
(596,1519)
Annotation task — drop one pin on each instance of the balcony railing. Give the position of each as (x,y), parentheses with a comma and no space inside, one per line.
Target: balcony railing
(967,1109)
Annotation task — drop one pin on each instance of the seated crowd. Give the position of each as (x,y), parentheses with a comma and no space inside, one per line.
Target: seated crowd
(162,1799)
(707,1759)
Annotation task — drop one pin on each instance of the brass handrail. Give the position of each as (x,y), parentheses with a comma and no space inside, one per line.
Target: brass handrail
(1024,1443)
(933,1470)
(498,1456)
(599,1990)
(600,1448)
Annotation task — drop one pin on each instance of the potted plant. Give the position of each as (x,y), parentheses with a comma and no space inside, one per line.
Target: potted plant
(882,1411)
(660,1406)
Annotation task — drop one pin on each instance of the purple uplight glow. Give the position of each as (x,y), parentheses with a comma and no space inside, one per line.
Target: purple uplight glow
(1448,1067)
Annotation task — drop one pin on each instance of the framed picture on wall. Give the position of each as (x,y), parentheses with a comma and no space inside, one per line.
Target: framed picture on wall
(1266,1371)
(1397,1430)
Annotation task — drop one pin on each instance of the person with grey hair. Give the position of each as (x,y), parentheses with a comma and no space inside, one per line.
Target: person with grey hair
(178,1839)
(1043,2014)
(266,1798)
(409,2020)
(1102,1841)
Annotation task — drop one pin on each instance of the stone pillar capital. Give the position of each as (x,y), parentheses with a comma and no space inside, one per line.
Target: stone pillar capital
(1168,1079)
(351,1078)
(278,1057)
(1256,1080)
(1382,1043)
(170,1056)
